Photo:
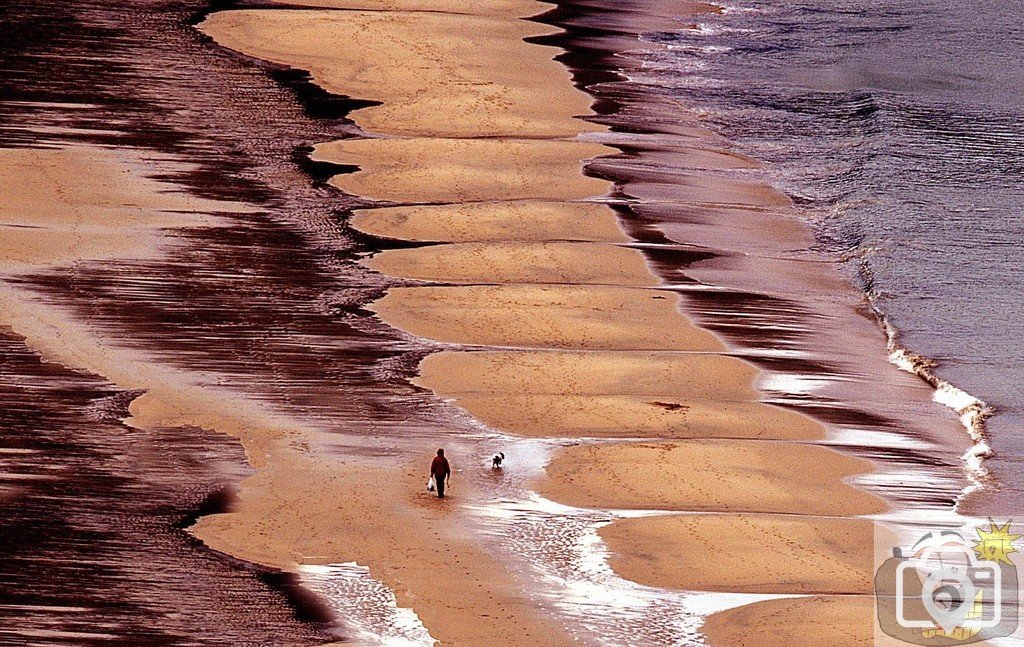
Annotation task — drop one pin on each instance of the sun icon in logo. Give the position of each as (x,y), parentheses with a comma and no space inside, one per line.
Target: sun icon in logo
(996,543)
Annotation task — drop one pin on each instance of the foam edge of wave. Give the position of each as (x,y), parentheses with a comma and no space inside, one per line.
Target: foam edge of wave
(972,411)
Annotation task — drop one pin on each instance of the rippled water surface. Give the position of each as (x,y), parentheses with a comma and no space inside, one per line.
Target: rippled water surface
(897,128)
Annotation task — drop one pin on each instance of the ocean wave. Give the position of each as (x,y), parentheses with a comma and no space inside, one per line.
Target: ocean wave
(973,412)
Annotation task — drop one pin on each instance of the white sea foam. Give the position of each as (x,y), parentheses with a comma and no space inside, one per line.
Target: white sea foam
(794,383)
(365,606)
(973,412)
(569,565)
(559,548)
(874,438)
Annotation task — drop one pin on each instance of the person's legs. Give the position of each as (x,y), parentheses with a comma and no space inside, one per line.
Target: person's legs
(439,483)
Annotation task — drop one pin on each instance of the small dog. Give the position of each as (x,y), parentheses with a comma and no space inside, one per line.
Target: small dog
(497,460)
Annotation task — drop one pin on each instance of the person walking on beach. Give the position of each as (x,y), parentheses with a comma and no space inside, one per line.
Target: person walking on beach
(440,470)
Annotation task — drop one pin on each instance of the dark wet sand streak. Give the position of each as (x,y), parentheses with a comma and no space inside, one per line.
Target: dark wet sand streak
(270,306)
(92,544)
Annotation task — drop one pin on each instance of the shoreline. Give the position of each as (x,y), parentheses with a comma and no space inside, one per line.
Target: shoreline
(972,412)
(652,319)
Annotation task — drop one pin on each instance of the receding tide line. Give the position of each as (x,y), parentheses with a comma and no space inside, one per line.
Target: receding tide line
(973,412)
(366,606)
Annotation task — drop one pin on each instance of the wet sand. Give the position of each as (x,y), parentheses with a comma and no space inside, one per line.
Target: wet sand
(287,512)
(434,170)
(709,475)
(612,393)
(526,220)
(552,325)
(309,510)
(414,63)
(559,263)
(73,206)
(97,208)
(545,316)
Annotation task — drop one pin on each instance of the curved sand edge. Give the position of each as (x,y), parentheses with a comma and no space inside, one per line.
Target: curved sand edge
(414,63)
(500,221)
(752,476)
(838,621)
(746,553)
(612,393)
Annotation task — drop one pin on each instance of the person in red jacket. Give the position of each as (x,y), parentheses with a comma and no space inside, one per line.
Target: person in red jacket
(441,471)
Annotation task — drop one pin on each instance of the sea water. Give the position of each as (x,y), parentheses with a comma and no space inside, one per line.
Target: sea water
(896,128)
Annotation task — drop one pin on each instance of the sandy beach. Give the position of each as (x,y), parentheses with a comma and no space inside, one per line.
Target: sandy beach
(648,371)
(584,344)
(536,282)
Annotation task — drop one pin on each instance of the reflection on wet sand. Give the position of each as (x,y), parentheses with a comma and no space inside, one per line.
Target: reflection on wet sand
(166,262)
(785,308)
(239,309)
(92,541)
